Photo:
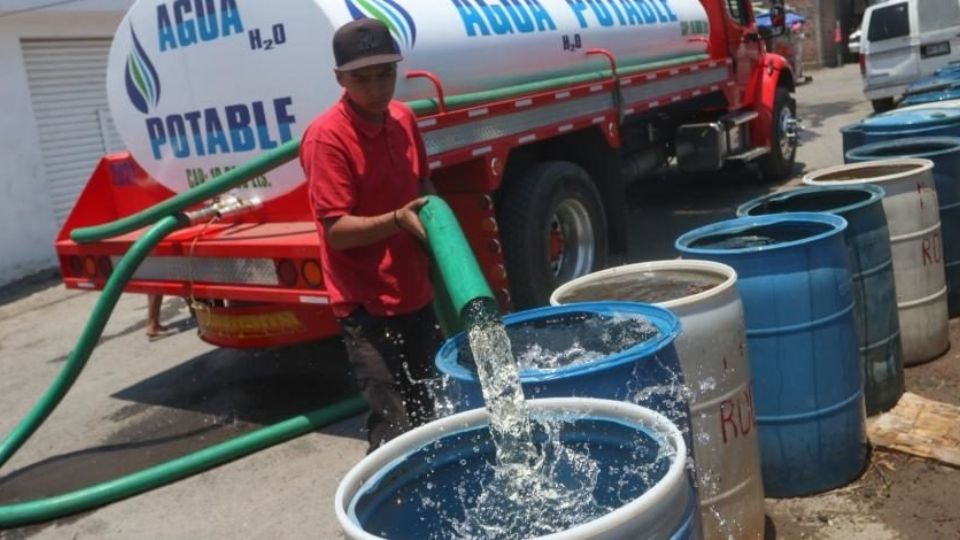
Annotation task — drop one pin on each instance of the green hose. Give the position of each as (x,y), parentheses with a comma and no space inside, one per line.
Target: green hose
(158,475)
(90,335)
(461,282)
(225,182)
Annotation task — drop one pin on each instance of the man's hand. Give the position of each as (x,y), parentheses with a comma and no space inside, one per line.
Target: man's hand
(408,219)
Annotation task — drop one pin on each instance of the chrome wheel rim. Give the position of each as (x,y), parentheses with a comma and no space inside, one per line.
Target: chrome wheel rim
(571,241)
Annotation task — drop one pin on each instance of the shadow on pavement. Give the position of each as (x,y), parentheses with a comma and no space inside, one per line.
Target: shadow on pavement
(204,401)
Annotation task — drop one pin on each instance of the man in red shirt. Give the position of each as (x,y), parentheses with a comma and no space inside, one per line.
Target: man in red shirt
(366,169)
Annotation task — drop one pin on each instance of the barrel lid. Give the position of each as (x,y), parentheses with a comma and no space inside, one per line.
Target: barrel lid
(933,84)
(912,118)
(930,97)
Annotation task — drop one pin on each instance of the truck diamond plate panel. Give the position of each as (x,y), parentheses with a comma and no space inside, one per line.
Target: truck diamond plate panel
(207,270)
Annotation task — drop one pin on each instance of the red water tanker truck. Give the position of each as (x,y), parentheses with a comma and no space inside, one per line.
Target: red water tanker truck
(536,115)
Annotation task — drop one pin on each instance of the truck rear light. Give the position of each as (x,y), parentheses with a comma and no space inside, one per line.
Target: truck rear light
(503,298)
(312,274)
(287,273)
(75,263)
(486,203)
(489,225)
(493,246)
(105,266)
(89,267)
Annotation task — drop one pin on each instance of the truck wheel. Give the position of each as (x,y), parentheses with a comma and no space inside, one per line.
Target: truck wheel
(778,164)
(883,105)
(553,229)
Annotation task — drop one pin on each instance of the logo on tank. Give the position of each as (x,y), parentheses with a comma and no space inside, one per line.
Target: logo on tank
(141,78)
(397,19)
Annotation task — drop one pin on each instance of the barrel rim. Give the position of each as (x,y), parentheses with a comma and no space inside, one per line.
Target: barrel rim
(877,193)
(728,272)
(666,322)
(945,104)
(920,166)
(371,467)
(898,120)
(682,244)
(862,153)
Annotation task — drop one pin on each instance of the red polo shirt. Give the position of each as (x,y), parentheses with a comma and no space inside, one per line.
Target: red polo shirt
(360,168)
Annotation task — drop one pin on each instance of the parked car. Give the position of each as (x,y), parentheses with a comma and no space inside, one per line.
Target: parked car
(904,43)
(853,42)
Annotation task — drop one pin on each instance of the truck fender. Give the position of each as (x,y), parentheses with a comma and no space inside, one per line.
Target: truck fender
(775,72)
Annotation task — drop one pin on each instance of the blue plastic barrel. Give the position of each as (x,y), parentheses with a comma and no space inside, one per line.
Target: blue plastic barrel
(944,152)
(797,294)
(423,484)
(943,93)
(871,263)
(901,124)
(647,372)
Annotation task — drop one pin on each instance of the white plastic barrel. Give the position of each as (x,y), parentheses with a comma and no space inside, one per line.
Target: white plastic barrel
(665,511)
(913,218)
(712,351)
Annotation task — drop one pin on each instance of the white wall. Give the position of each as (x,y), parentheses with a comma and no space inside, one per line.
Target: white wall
(27,224)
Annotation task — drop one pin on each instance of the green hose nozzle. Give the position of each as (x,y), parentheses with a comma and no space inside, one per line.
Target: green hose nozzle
(460,281)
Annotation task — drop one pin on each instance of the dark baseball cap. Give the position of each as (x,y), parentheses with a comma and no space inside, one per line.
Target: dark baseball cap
(362,43)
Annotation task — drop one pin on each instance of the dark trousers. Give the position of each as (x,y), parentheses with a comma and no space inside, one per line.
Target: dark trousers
(392,360)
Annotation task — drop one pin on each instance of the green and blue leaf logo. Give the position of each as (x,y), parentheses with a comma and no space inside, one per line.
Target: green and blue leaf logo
(142,81)
(397,19)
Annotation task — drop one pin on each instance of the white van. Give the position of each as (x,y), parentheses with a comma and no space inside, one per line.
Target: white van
(903,40)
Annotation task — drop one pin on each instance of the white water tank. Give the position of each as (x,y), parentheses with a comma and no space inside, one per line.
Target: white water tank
(199,86)
(712,351)
(916,244)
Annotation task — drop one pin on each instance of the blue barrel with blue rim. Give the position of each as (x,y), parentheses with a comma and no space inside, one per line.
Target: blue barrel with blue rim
(797,291)
(610,350)
(871,263)
(944,152)
(901,124)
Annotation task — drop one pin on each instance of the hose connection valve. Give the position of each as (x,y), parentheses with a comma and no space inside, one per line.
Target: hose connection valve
(223,207)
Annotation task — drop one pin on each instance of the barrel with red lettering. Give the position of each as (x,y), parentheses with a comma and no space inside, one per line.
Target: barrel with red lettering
(944,152)
(913,218)
(796,285)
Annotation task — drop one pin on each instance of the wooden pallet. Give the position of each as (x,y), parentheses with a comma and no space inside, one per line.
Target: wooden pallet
(921,427)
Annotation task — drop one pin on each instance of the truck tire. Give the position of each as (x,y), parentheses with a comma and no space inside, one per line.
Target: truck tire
(553,229)
(883,105)
(778,164)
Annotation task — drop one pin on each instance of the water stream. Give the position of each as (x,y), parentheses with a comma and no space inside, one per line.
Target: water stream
(539,484)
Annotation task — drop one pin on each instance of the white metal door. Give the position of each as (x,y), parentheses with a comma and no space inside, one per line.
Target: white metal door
(891,47)
(939,25)
(67,86)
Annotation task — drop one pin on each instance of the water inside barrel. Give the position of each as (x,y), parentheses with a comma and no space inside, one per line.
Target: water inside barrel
(566,339)
(652,287)
(762,236)
(814,201)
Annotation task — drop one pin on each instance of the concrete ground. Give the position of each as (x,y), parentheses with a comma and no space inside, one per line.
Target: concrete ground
(140,403)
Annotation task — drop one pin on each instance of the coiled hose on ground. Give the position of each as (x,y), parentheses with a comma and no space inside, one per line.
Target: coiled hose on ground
(463,285)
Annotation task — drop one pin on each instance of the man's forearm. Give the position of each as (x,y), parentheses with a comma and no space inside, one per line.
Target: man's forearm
(347,232)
